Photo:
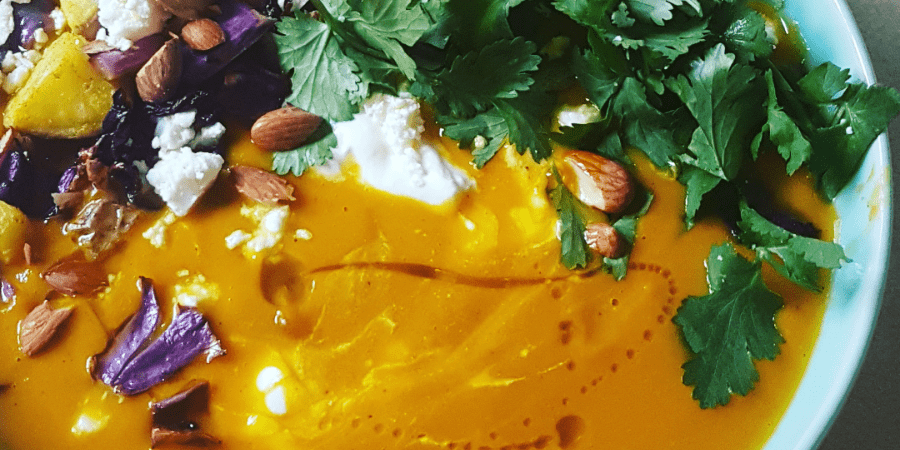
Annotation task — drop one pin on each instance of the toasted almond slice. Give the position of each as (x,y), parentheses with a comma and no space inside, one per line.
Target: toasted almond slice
(202,34)
(260,185)
(75,277)
(39,327)
(283,129)
(597,181)
(158,78)
(604,240)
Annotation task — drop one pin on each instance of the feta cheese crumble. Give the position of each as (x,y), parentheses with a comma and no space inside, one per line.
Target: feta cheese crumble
(17,67)
(156,234)
(7,21)
(182,176)
(270,221)
(125,21)
(386,141)
(177,130)
(190,291)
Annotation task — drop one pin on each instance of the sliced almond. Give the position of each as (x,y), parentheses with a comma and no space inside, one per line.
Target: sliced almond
(202,34)
(597,181)
(39,327)
(75,277)
(158,78)
(604,240)
(260,185)
(284,129)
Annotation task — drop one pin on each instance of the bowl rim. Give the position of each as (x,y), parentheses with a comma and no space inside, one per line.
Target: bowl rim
(857,288)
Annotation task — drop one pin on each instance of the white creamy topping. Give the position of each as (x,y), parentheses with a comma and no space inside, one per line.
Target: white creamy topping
(385,140)
(125,21)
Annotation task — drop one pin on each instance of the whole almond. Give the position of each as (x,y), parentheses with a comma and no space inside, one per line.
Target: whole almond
(597,181)
(284,129)
(158,78)
(75,277)
(39,327)
(202,34)
(257,184)
(604,240)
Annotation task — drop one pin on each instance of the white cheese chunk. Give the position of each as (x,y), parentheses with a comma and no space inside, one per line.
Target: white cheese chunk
(182,176)
(125,21)
(7,21)
(386,141)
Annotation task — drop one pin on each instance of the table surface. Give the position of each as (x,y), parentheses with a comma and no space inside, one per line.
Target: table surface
(870,418)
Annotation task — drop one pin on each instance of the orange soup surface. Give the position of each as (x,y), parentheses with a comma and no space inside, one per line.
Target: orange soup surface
(381,322)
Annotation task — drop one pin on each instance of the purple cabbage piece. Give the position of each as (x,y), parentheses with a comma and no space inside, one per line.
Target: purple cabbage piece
(132,336)
(25,185)
(242,26)
(7,293)
(28,18)
(113,64)
(132,363)
(188,336)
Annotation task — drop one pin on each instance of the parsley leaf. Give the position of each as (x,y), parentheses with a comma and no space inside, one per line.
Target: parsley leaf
(490,125)
(574,252)
(324,79)
(722,96)
(800,256)
(643,126)
(728,329)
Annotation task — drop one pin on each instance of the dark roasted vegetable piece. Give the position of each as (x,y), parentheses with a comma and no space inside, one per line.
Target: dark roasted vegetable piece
(242,26)
(176,420)
(26,185)
(114,63)
(107,366)
(187,337)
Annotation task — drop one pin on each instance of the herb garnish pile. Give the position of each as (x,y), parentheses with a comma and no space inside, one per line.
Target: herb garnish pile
(693,84)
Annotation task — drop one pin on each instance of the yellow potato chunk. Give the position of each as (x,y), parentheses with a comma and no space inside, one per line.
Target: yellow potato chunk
(79,13)
(64,97)
(12,232)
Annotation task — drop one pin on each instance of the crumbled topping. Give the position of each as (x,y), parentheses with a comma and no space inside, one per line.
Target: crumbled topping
(182,176)
(156,234)
(191,290)
(125,21)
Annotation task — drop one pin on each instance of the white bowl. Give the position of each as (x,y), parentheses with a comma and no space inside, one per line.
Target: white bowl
(864,211)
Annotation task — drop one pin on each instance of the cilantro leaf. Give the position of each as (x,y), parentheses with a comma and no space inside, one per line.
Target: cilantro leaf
(728,329)
(658,11)
(746,35)
(593,13)
(800,256)
(490,125)
(501,70)
(824,83)
(857,117)
(643,126)
(316,152)
(627,228)
(697,183)
(722,98)
(324,79)
(385,25)
(783,132)
(574,251)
